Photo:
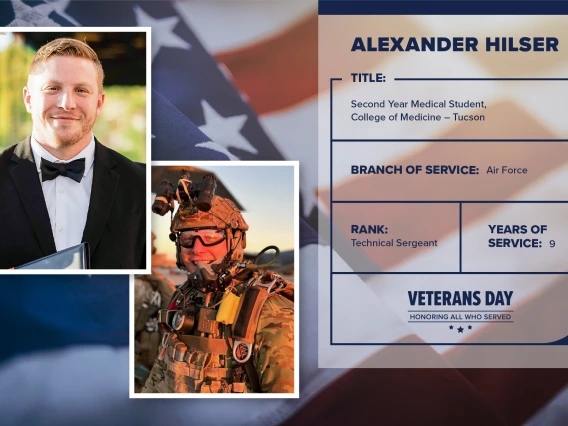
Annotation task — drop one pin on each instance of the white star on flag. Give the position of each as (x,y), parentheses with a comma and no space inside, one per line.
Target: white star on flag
(162,31)
(37,16)
(218,148)
(225,131)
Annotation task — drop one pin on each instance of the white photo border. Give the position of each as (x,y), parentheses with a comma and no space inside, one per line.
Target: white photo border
(297,284)
(148,31)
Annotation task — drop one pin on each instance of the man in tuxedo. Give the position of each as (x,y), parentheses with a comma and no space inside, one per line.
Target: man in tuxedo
(60,186)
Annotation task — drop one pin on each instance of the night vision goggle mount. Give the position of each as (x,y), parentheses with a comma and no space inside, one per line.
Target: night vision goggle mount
(199,195)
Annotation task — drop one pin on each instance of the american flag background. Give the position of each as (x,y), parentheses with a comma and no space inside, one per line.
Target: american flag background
(233,80)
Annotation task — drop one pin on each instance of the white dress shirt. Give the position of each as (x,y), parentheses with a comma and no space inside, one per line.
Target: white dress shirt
(67,201)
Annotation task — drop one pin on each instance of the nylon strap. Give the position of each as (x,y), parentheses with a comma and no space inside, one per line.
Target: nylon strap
(204,344)
(252,375)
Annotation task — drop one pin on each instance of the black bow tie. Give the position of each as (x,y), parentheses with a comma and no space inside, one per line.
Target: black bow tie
(73,169)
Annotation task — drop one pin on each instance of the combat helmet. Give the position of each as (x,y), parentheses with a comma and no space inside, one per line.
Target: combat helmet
(223,215)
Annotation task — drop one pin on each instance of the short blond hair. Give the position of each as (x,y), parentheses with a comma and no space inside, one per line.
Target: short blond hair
(68,47)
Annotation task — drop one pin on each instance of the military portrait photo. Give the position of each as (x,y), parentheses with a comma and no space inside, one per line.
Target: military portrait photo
(73,148)
(217,314)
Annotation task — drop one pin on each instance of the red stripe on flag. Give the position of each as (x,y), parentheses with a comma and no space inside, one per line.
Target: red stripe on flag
(382,396)
(281,71)
(519,393)
(277,72)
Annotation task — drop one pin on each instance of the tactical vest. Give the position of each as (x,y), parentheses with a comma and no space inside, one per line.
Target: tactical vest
(206,360)
(202,365)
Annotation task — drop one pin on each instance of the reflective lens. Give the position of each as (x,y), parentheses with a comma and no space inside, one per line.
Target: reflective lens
(208,237)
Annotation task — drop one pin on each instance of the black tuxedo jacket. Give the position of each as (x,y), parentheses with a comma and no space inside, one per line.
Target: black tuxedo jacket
(116,220)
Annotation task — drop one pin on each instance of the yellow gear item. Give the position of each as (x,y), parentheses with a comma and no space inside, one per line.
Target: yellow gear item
(228,308)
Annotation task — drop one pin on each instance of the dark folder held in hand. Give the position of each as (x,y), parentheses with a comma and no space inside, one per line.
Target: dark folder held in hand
(76,257)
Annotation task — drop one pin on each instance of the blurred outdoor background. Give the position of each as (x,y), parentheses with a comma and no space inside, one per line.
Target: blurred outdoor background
(265,196)
(122,123)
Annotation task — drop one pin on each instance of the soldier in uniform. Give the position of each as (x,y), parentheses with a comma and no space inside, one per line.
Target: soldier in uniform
(230,328)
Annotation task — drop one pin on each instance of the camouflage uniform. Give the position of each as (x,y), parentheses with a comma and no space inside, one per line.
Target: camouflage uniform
(198,355)
(189,370)
(150,294)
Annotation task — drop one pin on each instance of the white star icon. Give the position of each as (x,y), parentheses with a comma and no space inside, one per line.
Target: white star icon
(225,131)
(218,148)
(162,31)
(27,16)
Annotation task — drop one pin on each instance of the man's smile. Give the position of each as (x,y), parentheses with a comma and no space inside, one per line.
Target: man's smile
(65,117)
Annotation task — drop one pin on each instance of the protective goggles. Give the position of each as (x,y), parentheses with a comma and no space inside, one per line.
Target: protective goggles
(208,237)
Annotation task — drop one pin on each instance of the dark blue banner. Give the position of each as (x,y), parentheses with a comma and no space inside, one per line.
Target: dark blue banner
(364,7)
